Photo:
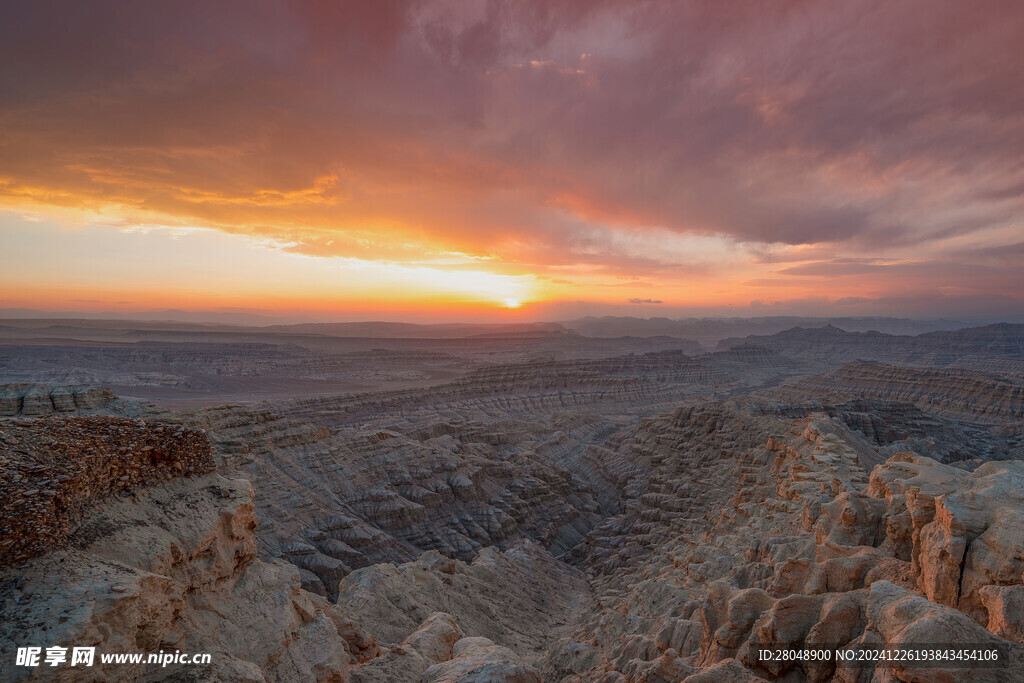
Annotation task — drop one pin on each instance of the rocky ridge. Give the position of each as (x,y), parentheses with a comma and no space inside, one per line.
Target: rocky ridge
(791,543)
(957,393)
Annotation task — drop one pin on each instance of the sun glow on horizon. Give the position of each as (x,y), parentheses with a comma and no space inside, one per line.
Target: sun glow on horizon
(193,267)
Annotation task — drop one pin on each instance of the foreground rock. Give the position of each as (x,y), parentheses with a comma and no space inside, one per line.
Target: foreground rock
(478,659)
(173,568)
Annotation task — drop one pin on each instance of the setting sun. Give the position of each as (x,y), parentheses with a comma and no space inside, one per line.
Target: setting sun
(512,303)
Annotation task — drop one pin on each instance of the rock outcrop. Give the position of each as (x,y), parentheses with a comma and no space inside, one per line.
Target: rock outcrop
(173,568)
(32,400)
(516,598)
(478,659)
(790,544)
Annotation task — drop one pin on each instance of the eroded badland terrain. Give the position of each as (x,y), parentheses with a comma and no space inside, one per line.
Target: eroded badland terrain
(516,504)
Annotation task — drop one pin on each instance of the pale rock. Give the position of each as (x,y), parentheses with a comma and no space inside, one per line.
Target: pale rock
(479,660)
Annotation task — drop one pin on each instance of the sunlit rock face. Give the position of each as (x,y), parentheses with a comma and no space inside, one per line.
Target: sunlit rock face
(173,567)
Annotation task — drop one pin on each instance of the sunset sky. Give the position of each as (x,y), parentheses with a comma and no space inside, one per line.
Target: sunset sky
(486,161)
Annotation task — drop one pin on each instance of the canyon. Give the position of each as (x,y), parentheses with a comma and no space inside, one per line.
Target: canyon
(514,504)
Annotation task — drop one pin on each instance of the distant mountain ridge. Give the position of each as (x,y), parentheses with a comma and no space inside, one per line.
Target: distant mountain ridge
(399,330)
(830,344)
(706,331)
(709,331)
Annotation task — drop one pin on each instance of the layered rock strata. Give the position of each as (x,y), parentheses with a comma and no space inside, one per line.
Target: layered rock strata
(31,400)
(954,393)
